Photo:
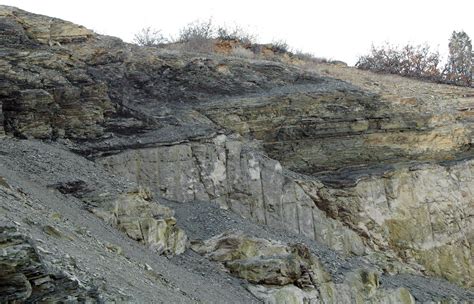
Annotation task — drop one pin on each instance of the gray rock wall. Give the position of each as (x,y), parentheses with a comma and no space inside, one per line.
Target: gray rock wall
(235,177)
(420,213)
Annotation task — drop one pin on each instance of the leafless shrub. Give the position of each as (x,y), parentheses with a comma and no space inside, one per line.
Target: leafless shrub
(149,37)
(421,62)
(203,36)
(236,34)
(308,57)
(280,46)
(412,61)
(197,30)
(198,36)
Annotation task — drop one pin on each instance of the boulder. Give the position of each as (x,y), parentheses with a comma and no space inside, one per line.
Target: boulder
(144,220)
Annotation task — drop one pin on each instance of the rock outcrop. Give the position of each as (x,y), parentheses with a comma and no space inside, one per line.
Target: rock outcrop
(225,171)
(378,169)
(25,278)
(409,210)
(291,274)
(143,220)
(337,127)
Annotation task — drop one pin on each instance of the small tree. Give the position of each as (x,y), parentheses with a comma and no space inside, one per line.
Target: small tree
(149,37)
(459,66)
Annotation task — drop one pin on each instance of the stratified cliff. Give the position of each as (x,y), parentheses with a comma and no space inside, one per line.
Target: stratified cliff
(145,175)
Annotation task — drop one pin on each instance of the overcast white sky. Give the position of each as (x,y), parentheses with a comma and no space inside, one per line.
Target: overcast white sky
(335,29)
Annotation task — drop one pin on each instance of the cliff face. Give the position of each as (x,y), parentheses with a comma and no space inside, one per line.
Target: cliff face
(372,173)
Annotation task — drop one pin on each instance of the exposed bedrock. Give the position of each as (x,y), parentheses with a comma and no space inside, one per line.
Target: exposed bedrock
(333,128)
(225,171)
(289,273)
(60,80)
(421,212)
(143,220)
(368,166)
(24,277)
(424,212)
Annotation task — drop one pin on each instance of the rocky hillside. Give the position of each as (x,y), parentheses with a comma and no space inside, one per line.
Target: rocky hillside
(146,175)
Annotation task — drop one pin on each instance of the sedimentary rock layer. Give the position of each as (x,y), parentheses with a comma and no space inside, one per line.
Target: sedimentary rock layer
(371,166)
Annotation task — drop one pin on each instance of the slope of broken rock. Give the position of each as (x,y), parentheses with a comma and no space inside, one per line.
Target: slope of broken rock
(70,238)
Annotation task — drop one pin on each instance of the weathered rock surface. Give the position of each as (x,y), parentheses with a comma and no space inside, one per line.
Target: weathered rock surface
(226,171)
(39,28)
(291,274)
(25,278)
(143,220)
(42,197)
(332,128)
(377,168)
(411,211)
(88,86)
(258,260)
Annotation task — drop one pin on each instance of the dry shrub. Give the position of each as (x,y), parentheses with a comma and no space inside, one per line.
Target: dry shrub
(412,61)
(242,52)
(197,36)
(197,30)
(280,46)
(235,34)
(149,37)
(420,62)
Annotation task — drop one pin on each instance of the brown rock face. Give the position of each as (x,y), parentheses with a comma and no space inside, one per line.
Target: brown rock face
(43,29)
(95,87)
(333,129)
(38,99)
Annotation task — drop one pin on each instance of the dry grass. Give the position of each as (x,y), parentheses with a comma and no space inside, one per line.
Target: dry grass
(242,52)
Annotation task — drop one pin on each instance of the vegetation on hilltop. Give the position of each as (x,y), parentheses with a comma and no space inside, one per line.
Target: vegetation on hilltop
(423,63)
(207,37)
(416,61)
